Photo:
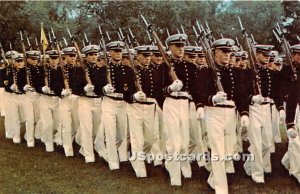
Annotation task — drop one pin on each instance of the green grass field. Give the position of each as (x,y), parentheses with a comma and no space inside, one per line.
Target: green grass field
(24,170)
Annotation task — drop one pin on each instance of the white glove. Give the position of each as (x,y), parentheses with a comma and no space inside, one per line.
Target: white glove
(46,90)
(282,115)
(200,113)
(66,92)
(14,87)
(139,96)
(291,132)
(244,121)
(220,97)
(108,89)
(258,99)
(89,88)
(27,88)
(176,86)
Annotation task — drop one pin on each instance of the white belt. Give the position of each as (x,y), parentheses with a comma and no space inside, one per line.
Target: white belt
(227,103)
(181,94)
(116,95)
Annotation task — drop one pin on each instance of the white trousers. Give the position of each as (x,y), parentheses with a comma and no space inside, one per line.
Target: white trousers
(196,145)
(19,104)
(276,124)
(89,118)
(114,119)
(144,134)
(221,131)
(261,141)
(31,115)
(162,132)
(50,120)
(8,113)
(292,157)
(69,123)
(239,134)
(2,102)
(176,125)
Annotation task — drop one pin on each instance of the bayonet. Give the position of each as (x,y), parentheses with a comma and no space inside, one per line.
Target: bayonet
(168,33)
(65,41)
(86,39)
(133,37)
(28,42)
(72,38)
(108,37)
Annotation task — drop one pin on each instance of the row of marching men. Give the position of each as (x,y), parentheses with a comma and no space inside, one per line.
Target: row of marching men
(106,107)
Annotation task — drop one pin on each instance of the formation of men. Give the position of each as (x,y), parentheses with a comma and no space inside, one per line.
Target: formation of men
(151,106)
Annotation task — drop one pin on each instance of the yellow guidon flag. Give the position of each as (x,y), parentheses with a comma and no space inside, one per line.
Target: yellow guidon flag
(44,40)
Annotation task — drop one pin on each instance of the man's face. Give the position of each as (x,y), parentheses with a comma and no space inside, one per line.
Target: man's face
(190,58)
(91,57)
(71,59)
(263,58)
(177,50)
(278,66)
(144,59)
(126,61)
(243,64)
(232,60)
(222,56)
(157,58)
(100,62)
(296,58)
(116,55)
(270,65)
(19,63)
(200,60)
(53,60)
(32,61)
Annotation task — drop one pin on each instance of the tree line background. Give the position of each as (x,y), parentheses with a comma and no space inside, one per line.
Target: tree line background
(259,18)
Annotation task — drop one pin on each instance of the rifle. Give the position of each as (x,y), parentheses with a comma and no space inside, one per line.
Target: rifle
(137,84)
(102,41)
(88,79)
(252,57)
(160,48)
(133,38)
(202,39)
(25,57)
(286,47)
(60,60)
